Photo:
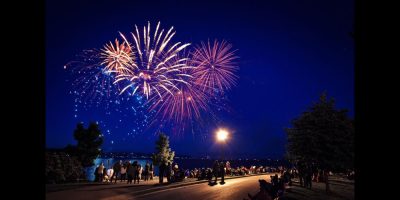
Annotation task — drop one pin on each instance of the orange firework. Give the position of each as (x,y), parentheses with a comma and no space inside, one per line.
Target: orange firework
(116,58)
(152,68)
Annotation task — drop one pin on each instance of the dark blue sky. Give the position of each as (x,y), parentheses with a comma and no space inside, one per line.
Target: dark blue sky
(290,52)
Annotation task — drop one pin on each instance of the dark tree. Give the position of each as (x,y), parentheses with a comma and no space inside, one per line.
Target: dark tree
(89,143)
(163,154)
(163,151)
(322,136)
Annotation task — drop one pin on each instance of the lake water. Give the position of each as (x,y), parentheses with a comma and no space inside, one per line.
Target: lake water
(184,163)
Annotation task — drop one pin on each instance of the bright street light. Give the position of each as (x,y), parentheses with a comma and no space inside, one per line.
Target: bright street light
(222,135)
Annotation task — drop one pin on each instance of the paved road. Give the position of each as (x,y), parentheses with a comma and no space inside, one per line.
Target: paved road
(231,190)
(96,191)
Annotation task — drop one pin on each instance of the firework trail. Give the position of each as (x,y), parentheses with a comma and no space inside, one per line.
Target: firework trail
(215,66)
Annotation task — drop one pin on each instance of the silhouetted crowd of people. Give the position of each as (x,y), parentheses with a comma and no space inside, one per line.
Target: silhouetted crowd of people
(134,172)
(124,171)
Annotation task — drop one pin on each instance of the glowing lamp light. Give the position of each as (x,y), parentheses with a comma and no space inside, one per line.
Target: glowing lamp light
(222,135)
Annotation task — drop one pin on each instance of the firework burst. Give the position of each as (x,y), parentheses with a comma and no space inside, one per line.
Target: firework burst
(116,58)
(170,86)
(151,68)
(215,66)
(186,103)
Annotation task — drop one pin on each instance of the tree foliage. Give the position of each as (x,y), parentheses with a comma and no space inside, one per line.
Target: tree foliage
(89,143)
(163,154)
(322,135)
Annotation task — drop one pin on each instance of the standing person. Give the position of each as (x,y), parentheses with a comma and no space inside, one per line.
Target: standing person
(139,172)
(168,172)
(131,172)
(228,168)
(146,171)
(123,172)
(222,171)
(161,172)
(100,172)
(151,171)
(216,170)
(117,171)
(135,171)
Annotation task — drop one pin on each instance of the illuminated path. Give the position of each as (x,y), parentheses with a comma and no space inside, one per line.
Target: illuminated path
(232,189)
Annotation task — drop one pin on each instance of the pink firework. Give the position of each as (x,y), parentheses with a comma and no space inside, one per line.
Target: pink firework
(186,102)
(215,66)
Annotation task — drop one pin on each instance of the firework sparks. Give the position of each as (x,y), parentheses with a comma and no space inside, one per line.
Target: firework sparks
(186,103)
(176,87)
(151,68)
(215,66)
(116,57)
(93,83)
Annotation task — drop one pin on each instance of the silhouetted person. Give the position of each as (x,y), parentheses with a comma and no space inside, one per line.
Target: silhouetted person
(263,194)
(228,168)
(222,171)
(202,175)
(209,174)
(168,172)
(123,173)
(151,171)
(130,172)
(162,169)
(216,170)
(137,170)
(140,172)
(146,171)
(116,171)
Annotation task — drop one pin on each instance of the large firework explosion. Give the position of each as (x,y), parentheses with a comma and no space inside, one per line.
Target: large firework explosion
(150,67)
(176,86)
(186,103)
(215,66)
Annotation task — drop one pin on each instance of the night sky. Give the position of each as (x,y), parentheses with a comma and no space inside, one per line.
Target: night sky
(290,52)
